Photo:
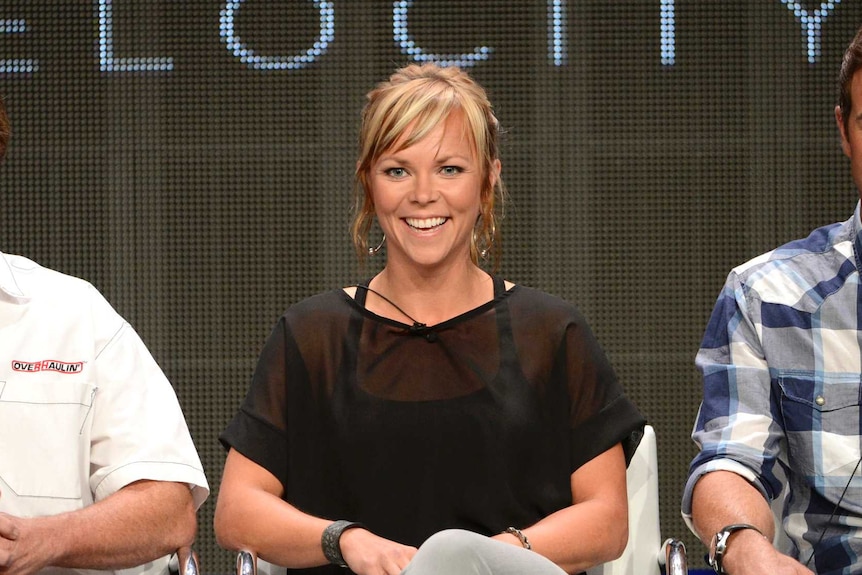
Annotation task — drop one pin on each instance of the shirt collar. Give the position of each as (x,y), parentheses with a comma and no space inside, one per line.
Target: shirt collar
(9,288)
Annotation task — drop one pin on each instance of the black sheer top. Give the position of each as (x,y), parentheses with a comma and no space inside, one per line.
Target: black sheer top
(476,423)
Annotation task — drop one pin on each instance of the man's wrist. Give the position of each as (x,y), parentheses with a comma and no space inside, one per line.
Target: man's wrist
(720,557)
(51,532)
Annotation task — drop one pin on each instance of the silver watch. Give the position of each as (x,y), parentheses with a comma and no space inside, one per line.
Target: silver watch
(718,545)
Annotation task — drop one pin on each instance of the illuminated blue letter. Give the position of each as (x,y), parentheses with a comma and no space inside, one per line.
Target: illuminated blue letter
(409,47)
(107,62)
(247,56)
(16,66)
(811,24)
(557,32)
(668,33)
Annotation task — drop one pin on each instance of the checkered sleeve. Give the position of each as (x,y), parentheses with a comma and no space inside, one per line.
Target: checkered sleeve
(735,427)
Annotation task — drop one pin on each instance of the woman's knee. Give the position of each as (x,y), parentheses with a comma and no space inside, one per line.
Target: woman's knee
(451,551)
(454,542)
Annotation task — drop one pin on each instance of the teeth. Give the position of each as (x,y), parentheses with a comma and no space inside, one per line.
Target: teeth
(425,223)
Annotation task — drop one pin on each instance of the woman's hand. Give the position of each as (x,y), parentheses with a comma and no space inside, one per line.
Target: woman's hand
(368,554)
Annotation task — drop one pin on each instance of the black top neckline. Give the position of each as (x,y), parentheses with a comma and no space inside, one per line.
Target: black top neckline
(358,302)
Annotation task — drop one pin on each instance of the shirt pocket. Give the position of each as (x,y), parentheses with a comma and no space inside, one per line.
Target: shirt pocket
(821,421)
(44,439)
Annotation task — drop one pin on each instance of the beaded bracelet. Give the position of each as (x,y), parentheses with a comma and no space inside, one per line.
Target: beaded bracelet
(521,537)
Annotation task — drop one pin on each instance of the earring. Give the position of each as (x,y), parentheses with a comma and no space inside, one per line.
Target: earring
(483,253)
(373,251)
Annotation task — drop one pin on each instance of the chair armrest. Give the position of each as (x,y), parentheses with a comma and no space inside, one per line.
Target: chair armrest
(184,562)
(674,560)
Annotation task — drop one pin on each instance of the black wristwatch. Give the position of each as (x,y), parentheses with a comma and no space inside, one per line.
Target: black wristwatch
(718,545)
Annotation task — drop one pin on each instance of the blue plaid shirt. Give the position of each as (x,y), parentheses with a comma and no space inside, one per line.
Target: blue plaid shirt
(782,377)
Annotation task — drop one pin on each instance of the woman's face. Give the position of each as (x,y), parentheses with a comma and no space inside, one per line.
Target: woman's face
(427,197)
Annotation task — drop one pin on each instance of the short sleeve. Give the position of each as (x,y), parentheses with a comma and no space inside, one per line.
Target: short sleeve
(139,430)
(259,429)
(600,413)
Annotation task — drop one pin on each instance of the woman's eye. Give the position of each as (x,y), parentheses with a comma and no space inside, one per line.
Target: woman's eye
(396,172)
(450,170)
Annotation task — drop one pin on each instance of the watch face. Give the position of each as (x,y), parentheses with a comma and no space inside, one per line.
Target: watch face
(719,544)
(714,564)
(711,557)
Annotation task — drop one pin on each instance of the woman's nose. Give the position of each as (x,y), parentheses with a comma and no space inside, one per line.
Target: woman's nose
(424,190)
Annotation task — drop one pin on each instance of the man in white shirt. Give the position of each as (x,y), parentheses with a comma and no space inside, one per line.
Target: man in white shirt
(98,471)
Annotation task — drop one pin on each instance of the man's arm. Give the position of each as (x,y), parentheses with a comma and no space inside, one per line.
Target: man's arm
(139,523)
(738,437)
(723,498)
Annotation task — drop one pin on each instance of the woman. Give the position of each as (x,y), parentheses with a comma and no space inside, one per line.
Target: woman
(434,405)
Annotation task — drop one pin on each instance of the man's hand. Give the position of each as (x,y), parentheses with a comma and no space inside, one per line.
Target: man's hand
(21,550)
(8,540)
(369,554)
(749,553)
(141,522)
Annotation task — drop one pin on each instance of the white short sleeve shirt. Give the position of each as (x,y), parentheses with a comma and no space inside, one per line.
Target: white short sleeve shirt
(84,408)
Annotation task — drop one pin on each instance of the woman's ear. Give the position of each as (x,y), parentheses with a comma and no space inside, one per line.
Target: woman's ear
(494,175)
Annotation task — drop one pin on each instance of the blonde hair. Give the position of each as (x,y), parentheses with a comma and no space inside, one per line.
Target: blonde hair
(423,96)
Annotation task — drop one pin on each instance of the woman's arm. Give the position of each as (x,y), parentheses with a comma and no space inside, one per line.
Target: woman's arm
(594,529)
(251,515)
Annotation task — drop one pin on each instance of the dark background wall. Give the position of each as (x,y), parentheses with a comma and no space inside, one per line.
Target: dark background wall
(204,191)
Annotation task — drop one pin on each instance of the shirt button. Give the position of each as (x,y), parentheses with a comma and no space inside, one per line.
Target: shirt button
(820,400)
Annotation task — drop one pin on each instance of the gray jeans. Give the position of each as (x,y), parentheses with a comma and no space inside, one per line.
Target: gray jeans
(459,552)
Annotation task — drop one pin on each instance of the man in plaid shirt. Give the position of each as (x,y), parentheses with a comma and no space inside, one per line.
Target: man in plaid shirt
(782,374)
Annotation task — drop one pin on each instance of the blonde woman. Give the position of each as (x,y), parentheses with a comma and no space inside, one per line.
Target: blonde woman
(435,406)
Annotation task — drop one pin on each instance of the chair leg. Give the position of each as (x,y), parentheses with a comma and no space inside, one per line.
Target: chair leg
(184,562)
(246,563)
(674,560)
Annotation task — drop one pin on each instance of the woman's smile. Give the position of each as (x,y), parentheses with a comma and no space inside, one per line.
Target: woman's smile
(425,224)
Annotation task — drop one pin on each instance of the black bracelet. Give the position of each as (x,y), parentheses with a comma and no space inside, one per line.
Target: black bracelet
(525,543)
(330,541)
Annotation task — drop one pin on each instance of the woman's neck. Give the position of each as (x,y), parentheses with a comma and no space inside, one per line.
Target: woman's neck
(429,298)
